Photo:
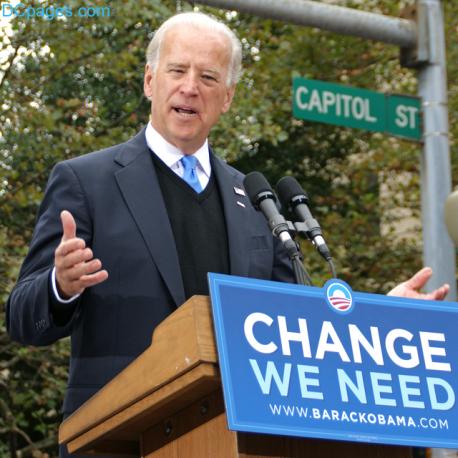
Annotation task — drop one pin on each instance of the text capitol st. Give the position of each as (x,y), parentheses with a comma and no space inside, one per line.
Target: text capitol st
(328,103)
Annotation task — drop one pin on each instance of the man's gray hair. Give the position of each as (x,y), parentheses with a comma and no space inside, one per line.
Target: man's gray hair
(201,21)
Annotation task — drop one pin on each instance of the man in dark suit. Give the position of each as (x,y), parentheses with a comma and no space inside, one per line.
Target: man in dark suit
(122,240)
(127,234)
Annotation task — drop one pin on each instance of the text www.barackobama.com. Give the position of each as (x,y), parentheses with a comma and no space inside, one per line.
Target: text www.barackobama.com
(401,421)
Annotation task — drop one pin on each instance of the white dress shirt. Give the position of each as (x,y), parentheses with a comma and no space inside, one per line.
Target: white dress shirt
(171,155)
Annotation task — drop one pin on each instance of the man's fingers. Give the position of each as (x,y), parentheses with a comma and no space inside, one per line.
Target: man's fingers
(74,258)
(88,280)
(411,288)
(75,272)
(69,246)
(440,293)
(419,280)
(77,278)
(85,281)
(94,279)
(68,225)
(445,290)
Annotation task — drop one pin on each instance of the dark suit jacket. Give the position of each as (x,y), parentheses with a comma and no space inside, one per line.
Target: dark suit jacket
(115,198)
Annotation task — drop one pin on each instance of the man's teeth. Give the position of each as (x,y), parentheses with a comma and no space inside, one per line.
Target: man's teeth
(185,111)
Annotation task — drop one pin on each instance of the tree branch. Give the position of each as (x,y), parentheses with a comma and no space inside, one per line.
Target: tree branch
(10,65)
(11,362)
(43,444)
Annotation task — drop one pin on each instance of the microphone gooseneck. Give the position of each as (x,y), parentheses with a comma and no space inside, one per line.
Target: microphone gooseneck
(292,196)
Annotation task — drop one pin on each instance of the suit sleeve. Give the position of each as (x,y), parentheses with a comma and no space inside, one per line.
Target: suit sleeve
(29,318)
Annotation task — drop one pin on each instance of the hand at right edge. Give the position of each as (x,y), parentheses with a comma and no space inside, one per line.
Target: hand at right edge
(412,287)
(76,267)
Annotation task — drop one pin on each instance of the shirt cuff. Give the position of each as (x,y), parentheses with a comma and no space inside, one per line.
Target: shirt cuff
(56,293)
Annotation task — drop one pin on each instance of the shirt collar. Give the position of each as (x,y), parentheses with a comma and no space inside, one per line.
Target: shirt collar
(170,154)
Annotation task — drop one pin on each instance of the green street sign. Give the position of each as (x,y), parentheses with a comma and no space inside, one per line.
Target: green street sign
(403,116)
(353,107)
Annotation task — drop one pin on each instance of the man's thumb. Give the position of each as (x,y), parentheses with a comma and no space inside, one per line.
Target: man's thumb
(68,225)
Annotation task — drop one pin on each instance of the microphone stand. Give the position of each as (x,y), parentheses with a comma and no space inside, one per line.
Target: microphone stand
(302,228)
(301,275)
(296,257)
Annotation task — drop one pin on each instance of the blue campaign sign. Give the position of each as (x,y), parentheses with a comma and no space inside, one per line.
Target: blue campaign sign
(332,363)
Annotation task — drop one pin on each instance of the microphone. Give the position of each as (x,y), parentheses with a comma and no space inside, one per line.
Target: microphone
(263,198)
(294,197)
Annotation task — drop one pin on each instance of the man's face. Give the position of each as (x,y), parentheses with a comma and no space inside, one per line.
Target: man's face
(188,89)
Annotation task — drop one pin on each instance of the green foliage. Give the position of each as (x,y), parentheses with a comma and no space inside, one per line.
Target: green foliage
(72,86)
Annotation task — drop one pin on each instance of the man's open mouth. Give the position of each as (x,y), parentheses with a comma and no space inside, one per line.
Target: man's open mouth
(184,110)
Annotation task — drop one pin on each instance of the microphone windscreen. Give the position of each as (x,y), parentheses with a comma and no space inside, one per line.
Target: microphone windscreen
(287,188)
(255,183)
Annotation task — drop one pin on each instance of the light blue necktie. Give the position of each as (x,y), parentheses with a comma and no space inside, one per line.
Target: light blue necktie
(190,173)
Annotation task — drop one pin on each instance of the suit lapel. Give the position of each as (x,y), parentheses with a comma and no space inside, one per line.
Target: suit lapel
(236,208)
(139,186)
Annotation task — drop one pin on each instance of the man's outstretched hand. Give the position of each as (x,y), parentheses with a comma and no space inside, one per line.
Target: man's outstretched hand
(76,267)
(411,287)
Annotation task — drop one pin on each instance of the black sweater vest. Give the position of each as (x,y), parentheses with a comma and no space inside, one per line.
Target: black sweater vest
(198,226)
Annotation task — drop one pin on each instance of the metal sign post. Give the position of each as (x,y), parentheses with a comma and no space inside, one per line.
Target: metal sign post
(436,182)
(423,46)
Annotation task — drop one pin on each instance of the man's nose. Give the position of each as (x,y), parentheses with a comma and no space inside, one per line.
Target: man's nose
(189,85)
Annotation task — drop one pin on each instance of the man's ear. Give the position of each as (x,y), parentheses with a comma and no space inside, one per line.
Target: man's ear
(147,81)
(230,91)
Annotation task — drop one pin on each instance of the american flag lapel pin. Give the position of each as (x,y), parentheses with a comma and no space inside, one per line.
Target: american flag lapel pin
(239,191)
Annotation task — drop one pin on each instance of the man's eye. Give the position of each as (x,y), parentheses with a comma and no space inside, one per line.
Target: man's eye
(209,77)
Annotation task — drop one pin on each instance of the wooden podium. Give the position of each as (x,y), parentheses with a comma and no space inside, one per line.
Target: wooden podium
(168,404)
